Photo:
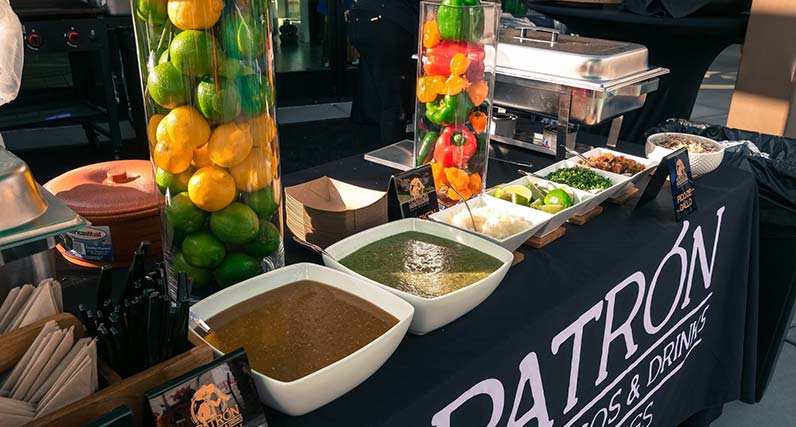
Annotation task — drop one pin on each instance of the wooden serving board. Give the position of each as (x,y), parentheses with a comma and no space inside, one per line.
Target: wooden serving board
(518,258)
(539,242)
(585,217)
(621,199)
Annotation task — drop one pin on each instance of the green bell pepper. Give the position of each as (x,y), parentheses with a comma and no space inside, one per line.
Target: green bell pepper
(450,109)
(460,23)
(426,144)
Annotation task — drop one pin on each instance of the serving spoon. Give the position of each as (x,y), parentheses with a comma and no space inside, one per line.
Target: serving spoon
(196,320)
(472,219)
(581,156)
(313,247)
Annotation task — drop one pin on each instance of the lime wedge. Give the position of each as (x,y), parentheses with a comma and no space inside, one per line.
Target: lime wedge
(552,209)
(535,191)
(518,199)
(518,189)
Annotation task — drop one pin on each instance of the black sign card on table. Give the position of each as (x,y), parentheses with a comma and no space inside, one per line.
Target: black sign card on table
(219,394)
(678,170)
(412,194)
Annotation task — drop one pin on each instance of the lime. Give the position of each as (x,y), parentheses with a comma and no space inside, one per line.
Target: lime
(202,249)
(184,215)
(235,224)
(164,57)
(535,191)
(265,242)
(262,202)
(525,194)
(552,209)
(166,85)
(199,276)
(519,200)
(235,268)
(192,53)
(256,94)
(242,38)
(169,183)
(153,11)
(220,103)
(558,197)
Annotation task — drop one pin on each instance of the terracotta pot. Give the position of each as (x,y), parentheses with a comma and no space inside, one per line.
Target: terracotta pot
(121,202)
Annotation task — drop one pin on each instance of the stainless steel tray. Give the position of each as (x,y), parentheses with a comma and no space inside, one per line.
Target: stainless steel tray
(19,194)
(592,102)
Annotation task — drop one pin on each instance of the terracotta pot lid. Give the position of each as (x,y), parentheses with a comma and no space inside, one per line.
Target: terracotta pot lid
(121,188)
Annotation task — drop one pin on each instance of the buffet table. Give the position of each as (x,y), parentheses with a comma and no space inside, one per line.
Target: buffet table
(630,320)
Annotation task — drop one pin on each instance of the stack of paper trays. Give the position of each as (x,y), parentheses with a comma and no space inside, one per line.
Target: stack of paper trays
(325,210)
(55,371)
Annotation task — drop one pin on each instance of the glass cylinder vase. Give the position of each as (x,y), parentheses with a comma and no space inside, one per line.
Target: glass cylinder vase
(207,77)
(453,103)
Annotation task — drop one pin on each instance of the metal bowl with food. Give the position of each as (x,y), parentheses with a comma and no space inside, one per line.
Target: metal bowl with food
(704,154)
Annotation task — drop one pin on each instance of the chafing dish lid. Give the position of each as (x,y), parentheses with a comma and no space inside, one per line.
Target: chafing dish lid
(531,52)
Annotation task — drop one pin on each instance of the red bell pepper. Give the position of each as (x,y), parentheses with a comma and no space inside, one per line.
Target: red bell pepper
(438,58)
(455,146)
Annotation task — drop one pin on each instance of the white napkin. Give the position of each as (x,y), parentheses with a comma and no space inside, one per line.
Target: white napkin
(12,378)
(24,293)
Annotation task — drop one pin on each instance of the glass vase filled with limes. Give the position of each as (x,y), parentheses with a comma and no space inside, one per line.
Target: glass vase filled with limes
(208,81)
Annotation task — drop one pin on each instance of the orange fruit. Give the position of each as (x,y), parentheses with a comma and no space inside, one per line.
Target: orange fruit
(229,144)
(211,188)
(173,157)
(201,158)
(185,125)
(255,172)
(151,129)
(262,129)
(195,14)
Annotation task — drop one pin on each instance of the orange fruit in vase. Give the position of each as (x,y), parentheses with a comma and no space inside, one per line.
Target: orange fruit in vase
(262,129)
(194,14)
(211,188)
(255,172)
(229,144)
(201,158)
(151,129)
(185,125)
(171,156)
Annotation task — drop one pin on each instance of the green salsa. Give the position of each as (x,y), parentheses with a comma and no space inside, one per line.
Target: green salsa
(421,264)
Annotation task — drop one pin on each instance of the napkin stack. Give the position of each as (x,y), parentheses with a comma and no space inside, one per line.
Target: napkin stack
(325,210)
(27,304)
(54,372)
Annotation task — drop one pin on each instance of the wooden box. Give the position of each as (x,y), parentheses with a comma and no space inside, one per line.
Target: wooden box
(114,391)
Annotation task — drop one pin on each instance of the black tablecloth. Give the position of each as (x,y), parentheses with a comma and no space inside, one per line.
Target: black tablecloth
(689,346)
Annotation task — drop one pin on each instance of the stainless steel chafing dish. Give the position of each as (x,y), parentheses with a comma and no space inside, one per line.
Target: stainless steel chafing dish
(571,78)
(19,194)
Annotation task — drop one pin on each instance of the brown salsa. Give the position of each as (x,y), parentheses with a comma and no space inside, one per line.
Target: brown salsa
(297,329)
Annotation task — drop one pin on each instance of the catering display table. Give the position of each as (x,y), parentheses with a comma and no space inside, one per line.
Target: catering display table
(631,320)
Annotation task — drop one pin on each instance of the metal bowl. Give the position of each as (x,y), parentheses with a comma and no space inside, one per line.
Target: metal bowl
(19,194)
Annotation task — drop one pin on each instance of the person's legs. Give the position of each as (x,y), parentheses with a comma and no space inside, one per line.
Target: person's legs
(385,49)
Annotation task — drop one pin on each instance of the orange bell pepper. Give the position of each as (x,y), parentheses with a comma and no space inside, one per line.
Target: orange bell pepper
(459,64)
(430,34)
(456,84)
(460,181)
(429,87)
(478,121)
(476,185)
(478,92)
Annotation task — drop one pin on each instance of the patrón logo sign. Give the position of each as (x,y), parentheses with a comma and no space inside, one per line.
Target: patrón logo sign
(210,407)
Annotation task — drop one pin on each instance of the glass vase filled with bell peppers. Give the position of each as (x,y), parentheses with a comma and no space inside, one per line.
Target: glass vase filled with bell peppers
(453,103)
(207,76)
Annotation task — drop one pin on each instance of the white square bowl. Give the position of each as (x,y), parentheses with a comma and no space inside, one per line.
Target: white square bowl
(536,218)
(648,164)
(558,219)
(618,181)
(327,384)
(430,313)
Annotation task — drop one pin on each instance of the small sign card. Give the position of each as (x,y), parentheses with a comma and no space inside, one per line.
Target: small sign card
(219,394)
(412,194)
(677,168)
